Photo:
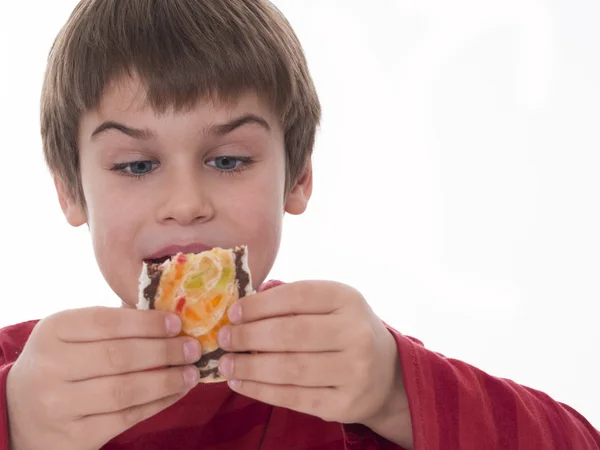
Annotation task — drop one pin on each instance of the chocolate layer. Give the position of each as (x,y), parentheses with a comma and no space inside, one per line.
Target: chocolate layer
(214,355)
(242,276)
(154,274)
(212,373)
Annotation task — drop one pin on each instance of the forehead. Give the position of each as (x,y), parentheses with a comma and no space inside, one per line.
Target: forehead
(127,99)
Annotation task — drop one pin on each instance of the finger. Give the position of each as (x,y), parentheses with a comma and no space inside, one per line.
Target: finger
(102,323)
(113,424)
(304,333)
(96,359)
(314,401)
(307,297)
(121,392)
(299,369)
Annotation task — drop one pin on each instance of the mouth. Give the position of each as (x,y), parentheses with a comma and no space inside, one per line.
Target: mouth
(166,253)
(159,261)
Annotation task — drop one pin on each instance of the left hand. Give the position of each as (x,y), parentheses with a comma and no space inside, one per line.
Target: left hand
(322,351)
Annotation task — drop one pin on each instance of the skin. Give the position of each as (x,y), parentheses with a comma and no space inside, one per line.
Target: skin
(323,350)
(184,198)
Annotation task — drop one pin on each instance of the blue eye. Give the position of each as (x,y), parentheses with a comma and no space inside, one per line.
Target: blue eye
(229,163)
(136,168)
(140,167)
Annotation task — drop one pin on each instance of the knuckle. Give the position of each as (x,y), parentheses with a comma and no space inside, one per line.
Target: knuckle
(297,369)
(101,318)
(47,323)
(363,337)
(361,373)
(354,295)
(79,430)
(46,328)
(131,416)
(296,288)
(117,357)
(52,403)
(123,394)
(343,407)
(338,331)
(302,291)
(348,297)
(57,318)
(334,408)
(293,330)
(46,367)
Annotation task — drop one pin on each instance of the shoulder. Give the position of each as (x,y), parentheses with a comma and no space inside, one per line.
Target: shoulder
(13,339)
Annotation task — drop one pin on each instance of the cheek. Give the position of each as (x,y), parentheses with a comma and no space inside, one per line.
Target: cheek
(114,220)
(260,213)
(113,217)
(263,240)
(257,213)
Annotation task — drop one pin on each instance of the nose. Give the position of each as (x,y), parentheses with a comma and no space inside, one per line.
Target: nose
(185,200)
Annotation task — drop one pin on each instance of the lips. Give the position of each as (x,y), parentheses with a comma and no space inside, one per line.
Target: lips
(166,253)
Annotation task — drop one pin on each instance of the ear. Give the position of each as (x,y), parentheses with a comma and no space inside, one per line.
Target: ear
(299,195)
(73,210)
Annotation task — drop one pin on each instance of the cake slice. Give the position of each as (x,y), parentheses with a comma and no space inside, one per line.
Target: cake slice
(199,288)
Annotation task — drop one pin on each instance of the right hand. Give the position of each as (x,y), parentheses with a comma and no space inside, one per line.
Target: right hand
(85,376)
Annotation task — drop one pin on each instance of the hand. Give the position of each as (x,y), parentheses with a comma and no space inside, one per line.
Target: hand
(85,376)
(322,351)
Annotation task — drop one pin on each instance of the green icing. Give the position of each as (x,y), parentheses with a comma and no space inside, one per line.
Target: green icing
(194,282)
(225,275)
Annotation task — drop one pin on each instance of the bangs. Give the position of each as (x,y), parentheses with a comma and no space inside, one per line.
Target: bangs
(181,51)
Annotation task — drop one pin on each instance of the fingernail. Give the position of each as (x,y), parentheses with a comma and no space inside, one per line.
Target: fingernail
(192,350)
(226,366)
(224,337)
(191,375)
(173,323)
(235,313)
(234,384)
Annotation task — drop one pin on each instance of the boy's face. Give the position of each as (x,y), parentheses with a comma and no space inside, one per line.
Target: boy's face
(210,177)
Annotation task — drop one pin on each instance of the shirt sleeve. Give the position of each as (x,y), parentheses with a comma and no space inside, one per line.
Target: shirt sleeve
(455,406)
(359,437)
(4,369)
(12,340)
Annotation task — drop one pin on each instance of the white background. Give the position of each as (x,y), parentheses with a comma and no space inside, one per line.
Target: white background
(456,178)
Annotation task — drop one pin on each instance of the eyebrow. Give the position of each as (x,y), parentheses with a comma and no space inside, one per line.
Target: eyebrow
(145,134)
(248,119)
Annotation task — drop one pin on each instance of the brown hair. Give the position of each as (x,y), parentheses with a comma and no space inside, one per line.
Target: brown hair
(182,51)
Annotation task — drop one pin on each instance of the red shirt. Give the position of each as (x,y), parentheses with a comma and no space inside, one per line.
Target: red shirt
(453,406)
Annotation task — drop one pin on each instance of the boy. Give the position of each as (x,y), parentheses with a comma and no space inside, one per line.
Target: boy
(183,125)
